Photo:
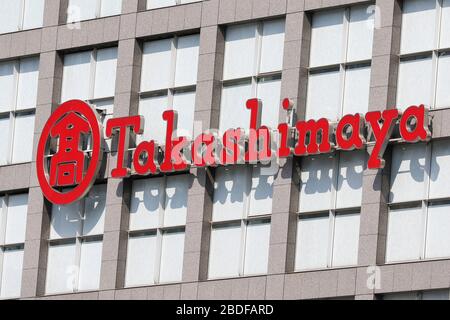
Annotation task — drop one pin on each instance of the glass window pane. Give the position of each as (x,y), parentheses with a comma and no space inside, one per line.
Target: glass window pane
(356,93)
(176,200)
(62,273)
(346,240)
(28,83)
(405,234)
(414,83)
(324,95)
(8,85)
(184,104)
(95,209)
(187,60)
(316,183)
(407,173)
(401,296)
(224,252)
(153,4)
(172,252)
(257,248)
(34,14)
(105,73)
(438,237)
(141,254)
(443,79)
(23,138)
(445,25)
(234,99)
(10,15)
(110,7)
(156,65)
(326,38)
(229,193)
(16,219)
(272,46)
(418,25)
(269,92)
(152,110)
(360,33)
(261,192)
(11,274)
(145,204)
(76,76)
(90,265)
(350,179)
(4,143)
(435,295)
(65,221)
(79,10)
(440,170)
(312,243)
(240,51)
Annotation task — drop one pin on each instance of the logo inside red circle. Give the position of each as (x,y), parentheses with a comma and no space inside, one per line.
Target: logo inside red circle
(69,152)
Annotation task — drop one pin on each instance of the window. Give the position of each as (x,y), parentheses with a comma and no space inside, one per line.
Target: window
(157,226)
(330,201)
(241,222)
(19,15)
(18,97)
(168,81)
(340,59)
(424,54)
(419,295)
(252,68)
(153,4)
(419,221)
(79,10)
(91,76)
(13,220)
(75,245)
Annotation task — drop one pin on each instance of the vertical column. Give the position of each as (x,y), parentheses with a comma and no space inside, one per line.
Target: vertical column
(286,184)
(118,191)
(55,12)
(374,210)
(207,111)
(38,217)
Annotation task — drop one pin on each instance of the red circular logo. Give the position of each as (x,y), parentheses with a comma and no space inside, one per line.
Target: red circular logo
(69,152)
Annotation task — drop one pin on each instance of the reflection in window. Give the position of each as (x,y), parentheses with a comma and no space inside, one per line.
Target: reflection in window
(240,233)
(75,247)
(418,221)
(157,227)
(13,219)
(330,201)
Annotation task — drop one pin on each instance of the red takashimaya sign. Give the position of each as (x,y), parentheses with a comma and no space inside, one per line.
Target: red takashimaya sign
(70,148)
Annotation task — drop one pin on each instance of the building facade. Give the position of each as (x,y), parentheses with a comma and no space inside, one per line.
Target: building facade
(317,227)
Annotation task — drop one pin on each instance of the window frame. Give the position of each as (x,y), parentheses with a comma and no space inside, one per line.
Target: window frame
(424,204)
(21,22)
(14,113)
(159,232)
(177,3)
(170,92)
(343,66)
(243,222)
(434,54)
(257,76)
(103,113)
(78,241)
(331,213)
(10,246)
(97,13)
